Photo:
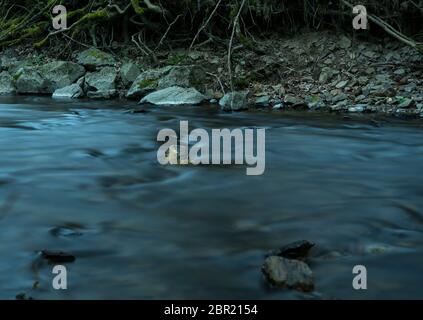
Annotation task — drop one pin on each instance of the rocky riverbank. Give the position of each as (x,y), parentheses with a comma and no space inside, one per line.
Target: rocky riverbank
(314,71)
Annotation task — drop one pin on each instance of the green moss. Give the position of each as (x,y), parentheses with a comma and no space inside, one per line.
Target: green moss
(97,54)
(177,59)
(137,7)
(146,83)
(16,77)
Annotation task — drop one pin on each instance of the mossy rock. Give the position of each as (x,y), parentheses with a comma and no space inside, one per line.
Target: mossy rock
(94,58)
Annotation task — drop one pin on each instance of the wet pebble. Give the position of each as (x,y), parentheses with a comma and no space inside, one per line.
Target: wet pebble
(292,274)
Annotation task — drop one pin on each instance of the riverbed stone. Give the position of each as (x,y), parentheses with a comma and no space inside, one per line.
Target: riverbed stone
(72,91)
(101,84)
(94,58)
(293,274)
(234,101)
(174,96)
(161,78)
(6,84)
(128,73)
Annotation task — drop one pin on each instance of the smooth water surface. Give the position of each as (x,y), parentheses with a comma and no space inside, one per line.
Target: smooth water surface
(82,177)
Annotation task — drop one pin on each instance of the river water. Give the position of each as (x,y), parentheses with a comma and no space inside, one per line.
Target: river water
(82,177)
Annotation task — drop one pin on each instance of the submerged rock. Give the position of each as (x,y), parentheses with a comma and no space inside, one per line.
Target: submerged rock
(295,250)
(93,58)
(73,91)
(101,84)
(65,232)
(57,256)
(6,84)
(234,101)
(174,96)
(293,274)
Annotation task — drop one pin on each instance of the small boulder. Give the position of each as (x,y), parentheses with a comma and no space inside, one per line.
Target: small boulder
(174,96)
(293,101)
(101,84)
(29,80)
(6,84)
(73,91)
(262,102)
(93,58)
(234,101)
(59,74)
(292,274)
(128,73)
(162,78)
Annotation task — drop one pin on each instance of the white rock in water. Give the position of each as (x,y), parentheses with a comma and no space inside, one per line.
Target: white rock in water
(174,96)
(73,91)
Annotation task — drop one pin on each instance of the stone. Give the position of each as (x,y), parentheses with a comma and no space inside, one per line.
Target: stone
(278,106)
(47,78)
(101,84)
(174,96)
(340,106)
(292,100)
(129,72)
(344,42)
(262,102)
(234,101)
(6,84)
(9,63)
(400,72)
(339,97)
(297,250)
(405,103)
(293,274)
(29,80)
(324,77)
(341,84)
(93,58)
(161,78)
(357,108)
(59,74)
(72,91)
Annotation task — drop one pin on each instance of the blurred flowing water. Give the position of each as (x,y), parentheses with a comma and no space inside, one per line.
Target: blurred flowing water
(82,177)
